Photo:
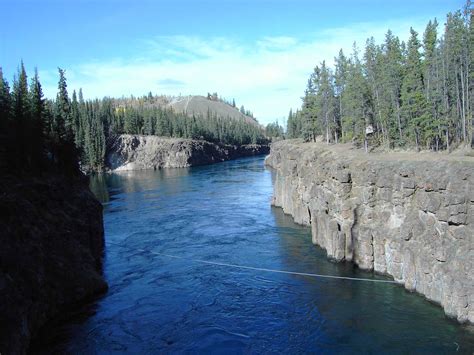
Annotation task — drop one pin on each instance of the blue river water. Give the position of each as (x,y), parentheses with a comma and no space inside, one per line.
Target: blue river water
(222,213)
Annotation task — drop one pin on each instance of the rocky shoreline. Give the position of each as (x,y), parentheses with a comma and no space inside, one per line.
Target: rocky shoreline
(412,219)
(52,241)
(136,152)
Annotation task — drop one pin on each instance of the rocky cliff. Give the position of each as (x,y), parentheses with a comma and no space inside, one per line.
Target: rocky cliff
(134,152)
(51,238)
(411,217)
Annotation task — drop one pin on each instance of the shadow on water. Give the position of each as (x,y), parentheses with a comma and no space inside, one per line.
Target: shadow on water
(222,213)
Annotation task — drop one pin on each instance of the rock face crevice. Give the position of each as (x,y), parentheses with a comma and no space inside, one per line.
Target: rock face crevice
(135,152)
(413,220)
(52,242)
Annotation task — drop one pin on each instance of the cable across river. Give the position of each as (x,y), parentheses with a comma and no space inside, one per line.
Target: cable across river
(254,268)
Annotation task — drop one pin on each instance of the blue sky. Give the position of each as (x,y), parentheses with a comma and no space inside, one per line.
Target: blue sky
(259,52)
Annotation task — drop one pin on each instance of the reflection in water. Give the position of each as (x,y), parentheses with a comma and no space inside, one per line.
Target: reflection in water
(98,185)
(222,213)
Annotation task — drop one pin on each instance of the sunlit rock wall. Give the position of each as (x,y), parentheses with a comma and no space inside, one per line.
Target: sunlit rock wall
(135,152)
(413,220)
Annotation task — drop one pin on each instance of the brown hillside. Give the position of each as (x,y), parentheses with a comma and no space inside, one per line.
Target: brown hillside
(200,105)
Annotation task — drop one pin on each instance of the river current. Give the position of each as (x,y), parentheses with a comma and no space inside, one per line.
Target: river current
(222,213)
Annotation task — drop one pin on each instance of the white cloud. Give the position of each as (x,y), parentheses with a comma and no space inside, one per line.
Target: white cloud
(268,75)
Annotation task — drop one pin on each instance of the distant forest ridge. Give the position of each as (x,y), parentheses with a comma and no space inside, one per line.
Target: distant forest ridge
(41,134)
(396,94)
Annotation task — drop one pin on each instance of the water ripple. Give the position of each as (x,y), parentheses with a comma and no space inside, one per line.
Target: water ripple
(222,213)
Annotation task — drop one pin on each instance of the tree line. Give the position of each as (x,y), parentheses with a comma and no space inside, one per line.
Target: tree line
(36,135)
(414,94)
(70,132)
(274,131)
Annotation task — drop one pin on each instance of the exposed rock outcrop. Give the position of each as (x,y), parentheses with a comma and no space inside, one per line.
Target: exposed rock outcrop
(409,218)
(135,152)
(51,237)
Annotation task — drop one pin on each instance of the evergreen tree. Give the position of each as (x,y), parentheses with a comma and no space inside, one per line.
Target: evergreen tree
(66,152)
(5,110)
(63,120)
(421,99)
(21,127)
(132,121)
(274,130)
(5,103)
(310,127)
(37,123)
(373,67)
(76,119)
(391,82)
(340,83)
(356,100)
(326,104)
(291,129)
(414,105)
(455,69)
(432,82)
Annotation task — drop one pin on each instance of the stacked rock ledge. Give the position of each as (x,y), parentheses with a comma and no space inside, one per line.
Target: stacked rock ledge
(413,220)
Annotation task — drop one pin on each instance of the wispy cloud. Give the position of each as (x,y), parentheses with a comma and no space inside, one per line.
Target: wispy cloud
(267,75)
(168,82)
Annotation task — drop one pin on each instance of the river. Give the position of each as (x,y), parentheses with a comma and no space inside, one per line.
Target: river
(160,226)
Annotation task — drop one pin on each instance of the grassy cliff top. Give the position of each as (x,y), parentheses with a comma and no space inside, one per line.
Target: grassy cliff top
(461,154)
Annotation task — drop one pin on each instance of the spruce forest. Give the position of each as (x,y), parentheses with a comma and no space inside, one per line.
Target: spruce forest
(69,133)
(418,94)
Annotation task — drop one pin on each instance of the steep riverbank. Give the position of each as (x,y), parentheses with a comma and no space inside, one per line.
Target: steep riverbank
(135,152)
(411,217)
(50,257)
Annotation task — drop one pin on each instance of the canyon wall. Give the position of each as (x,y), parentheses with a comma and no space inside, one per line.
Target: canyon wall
(408,216)
(52,241)
(135,152)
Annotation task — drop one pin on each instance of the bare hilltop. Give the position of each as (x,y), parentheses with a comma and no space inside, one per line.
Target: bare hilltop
(200,105)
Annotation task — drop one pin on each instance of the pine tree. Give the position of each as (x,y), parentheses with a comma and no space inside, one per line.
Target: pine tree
(324,103)
(310,128)
(422,99)
(80,135)
(391,78)
(5,110)
(64,121)
(356,100)
(456,72)
(21,128)
(340,83)
(76,120)
(66,152)
(5,103)
(373,66)
(291,126)
(414,105)
(36,136)
(432,82)
(131,121)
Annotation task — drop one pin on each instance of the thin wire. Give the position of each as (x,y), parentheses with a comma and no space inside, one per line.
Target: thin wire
(259,268)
